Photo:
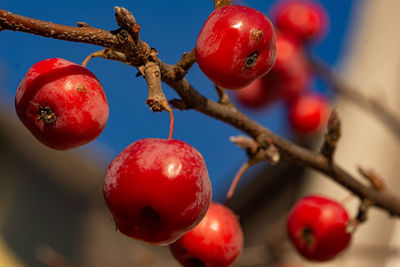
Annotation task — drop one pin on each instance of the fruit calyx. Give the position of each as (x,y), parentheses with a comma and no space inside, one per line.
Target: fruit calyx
(45,114)
(195,262)
(308,237)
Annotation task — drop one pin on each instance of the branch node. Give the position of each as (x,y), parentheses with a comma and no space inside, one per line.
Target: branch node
(127,21)
(245,143)
(375,180)
(156,98)
(256,152)
(332,136)
(82,24)
(179,104)
(361,217)
(223,96)
(221,3)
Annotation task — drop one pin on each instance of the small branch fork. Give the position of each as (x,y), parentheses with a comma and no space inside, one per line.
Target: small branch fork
(124,45)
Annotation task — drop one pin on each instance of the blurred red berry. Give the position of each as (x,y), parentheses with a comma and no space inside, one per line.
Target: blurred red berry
(215,242)
(303,19)
(308,113)
(255,95)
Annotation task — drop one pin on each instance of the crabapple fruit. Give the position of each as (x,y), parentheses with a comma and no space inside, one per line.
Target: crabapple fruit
(308,113)
(61,103)
(235,46)
(290,75)
(303,19)
(157,190)
(255,95)
(317,228)
(216,241)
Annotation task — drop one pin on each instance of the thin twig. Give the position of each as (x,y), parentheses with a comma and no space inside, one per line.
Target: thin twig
(375,179)
(92,55)
(106,54)
(222,95)
(236,181)
(375,107)
(153,78)
(183,65)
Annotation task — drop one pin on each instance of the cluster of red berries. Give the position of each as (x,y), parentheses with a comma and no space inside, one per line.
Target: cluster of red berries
(158,190)
(297,23)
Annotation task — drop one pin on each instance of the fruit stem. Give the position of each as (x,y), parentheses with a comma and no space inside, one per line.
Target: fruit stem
(236,180)
(89,57)
(165,105)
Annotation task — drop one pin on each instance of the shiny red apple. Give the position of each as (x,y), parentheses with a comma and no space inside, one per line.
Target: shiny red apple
(235,46)
(61,103)
(157,190)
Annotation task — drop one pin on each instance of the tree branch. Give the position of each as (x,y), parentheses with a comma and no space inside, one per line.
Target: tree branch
(375,107)
(89,35)
(120,40)
(137,53)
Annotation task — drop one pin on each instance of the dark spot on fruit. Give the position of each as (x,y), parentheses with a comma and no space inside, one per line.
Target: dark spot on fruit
(308,236)
(150,214)
(195,262)
(256,34)
(251,60)
(81,88)
(45,114)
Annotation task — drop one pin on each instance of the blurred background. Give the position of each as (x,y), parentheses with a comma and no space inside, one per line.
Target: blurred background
(51,206)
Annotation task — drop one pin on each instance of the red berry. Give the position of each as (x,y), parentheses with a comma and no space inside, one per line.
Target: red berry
(290,75)
(308,113)
(236,46)
(287,79)
(216,241)
(303,19)
(61,103)
(157,190)
(255,95)
(317,228)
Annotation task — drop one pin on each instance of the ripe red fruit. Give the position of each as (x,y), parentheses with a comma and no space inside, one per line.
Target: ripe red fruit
(216,241)
(290,75)
(235,46)
(61,103)
(308,113)
(317,228)
(255,95)
(288,78)
(157,190)
(303,19)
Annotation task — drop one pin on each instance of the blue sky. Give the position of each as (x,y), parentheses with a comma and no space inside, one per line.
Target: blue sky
(171,27)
